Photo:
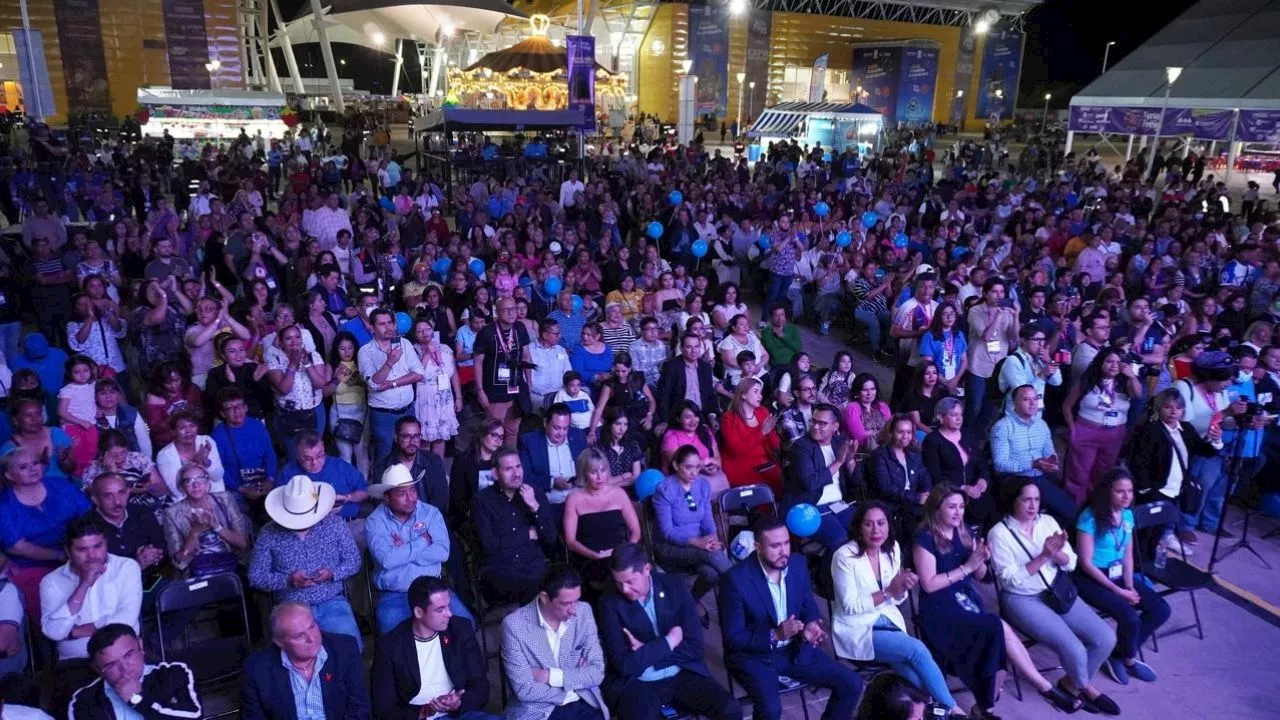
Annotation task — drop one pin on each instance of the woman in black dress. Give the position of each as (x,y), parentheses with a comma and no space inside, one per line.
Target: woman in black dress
(598,517)
(922,397)
(968,641)
(954,457)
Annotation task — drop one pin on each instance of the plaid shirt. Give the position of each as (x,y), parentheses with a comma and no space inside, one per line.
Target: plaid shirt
(648,359)
(793,423)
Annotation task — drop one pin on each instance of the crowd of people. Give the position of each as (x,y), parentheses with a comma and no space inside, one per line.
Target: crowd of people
(313,369)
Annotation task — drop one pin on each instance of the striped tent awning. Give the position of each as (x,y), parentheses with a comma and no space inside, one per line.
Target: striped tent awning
(775,124)
(784,119)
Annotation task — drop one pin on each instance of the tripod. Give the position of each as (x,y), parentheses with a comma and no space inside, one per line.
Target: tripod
(1235,478)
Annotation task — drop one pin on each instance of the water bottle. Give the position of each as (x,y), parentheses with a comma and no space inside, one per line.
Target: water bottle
(1162,553)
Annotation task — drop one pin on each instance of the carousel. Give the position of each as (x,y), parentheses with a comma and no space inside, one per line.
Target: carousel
(530,75)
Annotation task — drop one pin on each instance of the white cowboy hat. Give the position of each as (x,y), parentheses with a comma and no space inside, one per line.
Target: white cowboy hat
(396,476)
(300,503)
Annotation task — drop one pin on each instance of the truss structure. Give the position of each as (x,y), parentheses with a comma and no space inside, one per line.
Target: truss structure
(954,13)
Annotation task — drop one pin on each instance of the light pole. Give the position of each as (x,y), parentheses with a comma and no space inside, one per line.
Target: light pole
(1171,74)
(737,126)
(751,100)
(1044,122)
(1106,54)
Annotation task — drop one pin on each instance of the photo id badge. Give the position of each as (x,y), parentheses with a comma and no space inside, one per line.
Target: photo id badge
(442,382)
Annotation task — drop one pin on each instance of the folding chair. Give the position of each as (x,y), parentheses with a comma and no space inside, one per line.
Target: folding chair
(736,505)
(486,612)
(215,662)
(1178,575)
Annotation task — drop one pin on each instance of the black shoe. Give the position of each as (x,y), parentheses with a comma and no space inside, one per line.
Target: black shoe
(1101,704)
(1061,699)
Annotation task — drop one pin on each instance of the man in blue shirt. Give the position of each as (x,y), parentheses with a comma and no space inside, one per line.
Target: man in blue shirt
(653,644)
(349,485)
(1021,444)
(407,539)
(249,460)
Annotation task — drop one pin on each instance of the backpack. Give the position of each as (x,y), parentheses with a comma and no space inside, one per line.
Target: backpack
(994,393)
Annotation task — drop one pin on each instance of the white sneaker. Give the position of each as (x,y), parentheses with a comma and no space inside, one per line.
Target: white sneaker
(1175,546)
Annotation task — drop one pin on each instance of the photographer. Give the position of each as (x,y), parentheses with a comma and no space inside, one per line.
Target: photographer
(1210,410)
(889,697)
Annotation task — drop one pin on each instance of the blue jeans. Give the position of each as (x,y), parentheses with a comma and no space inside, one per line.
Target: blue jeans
(9,335)
(382,430)
(1213,491)
(335,616)
(911,659)
(877,324)
(777,290)
(975,394)
(393,609)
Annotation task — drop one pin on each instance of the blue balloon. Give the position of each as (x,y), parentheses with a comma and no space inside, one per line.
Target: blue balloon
(676,197)
(844,239)
(1271,505)
(477,266)
(764,242)
(648,483)
(553,285)
(821,209)
(655,230)
(803,520)
(699,248)
(900,240)
(442,265)
(577,303)
(869,219)
(403,323)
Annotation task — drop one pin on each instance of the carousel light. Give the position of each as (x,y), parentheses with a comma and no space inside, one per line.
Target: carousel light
(657,47)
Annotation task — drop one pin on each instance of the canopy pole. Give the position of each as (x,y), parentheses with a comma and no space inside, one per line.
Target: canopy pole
(1128,148)
(326,50)
(287,45)
(264,41)
(395,79)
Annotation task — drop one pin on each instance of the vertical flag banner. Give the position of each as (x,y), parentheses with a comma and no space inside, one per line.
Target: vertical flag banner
(709,50)
(33,72)
(84,61)
(919,80)
(875,69)
(186,44)
(759,31)
(1001,65)
(818,78)
(581,56)
(960,101)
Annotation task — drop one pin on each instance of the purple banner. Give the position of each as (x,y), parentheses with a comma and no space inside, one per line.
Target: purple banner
(998,82)
(187,44)
(84,62)
(1259,126)
(1200,123)
(709,50)
(963,78)
(759,31)
(919,79)
(875,70)
(581,59)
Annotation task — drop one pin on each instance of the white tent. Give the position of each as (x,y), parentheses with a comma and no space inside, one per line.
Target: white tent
(359,22)
(835,125)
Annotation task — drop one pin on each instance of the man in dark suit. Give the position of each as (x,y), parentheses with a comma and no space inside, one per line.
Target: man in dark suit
(673,383)
(548,455)
(816,465)
(770,624)
(456,682)
(326,668)
(653,642)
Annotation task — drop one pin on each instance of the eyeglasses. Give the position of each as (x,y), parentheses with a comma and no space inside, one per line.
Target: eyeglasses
(805,388)
(497,434)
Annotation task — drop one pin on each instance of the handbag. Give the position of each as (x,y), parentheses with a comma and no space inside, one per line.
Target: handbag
(295,421)
(1061,593)
(348,430)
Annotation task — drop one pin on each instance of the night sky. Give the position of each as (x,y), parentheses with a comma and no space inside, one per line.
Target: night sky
(1065,42)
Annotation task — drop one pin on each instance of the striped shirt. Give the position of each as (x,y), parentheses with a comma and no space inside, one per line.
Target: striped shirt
(308,695)
(1016,443)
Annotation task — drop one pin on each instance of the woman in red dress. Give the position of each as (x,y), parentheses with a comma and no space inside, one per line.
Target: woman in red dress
(748,440)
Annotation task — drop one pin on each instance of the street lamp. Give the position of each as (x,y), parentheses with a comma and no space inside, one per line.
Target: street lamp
(1171,75)
(981,27)
(751,101)
(737,7)
(1044,122)
(1106,53)
(742,77)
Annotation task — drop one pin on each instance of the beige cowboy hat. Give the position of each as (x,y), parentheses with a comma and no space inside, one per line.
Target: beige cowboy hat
(396,476)
(300,503)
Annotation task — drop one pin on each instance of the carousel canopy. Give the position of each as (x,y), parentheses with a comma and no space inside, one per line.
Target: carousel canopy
(359,22)
(536,54)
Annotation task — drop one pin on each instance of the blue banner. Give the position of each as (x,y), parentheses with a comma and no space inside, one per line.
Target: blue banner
(581,58)
(998,81)
(1259,126)
(33,73)
(875,70)
(919,80)
(709,50)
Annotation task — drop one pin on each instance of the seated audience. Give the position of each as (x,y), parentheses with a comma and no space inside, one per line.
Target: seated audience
(14,652)
(548,454)
(430,664)
(686,539)
(472,470)
(686,427)
(128,686)
(653,643)
(771,626)
(870,584)
(817,466)
(244,447)
(899,477)
(889,697)
(189,446)
(304,670)
(598,517)
(751,446)
(349,486)
(135,534)
(1028,551)
(1022,446)
(425,467)
(147,490)
(558,630)
(515,529)
(626,458)
(1107,579)
(954,457)
(305,553)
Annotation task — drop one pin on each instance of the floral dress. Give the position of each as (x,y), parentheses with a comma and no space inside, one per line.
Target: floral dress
(434,403)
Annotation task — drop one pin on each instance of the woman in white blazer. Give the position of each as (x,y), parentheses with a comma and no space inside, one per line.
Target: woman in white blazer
(870,585)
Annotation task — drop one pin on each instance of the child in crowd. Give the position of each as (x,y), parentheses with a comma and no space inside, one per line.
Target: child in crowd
(78,409)
(578,400)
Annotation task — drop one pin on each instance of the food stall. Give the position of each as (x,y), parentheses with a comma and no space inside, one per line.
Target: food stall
(213,114)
